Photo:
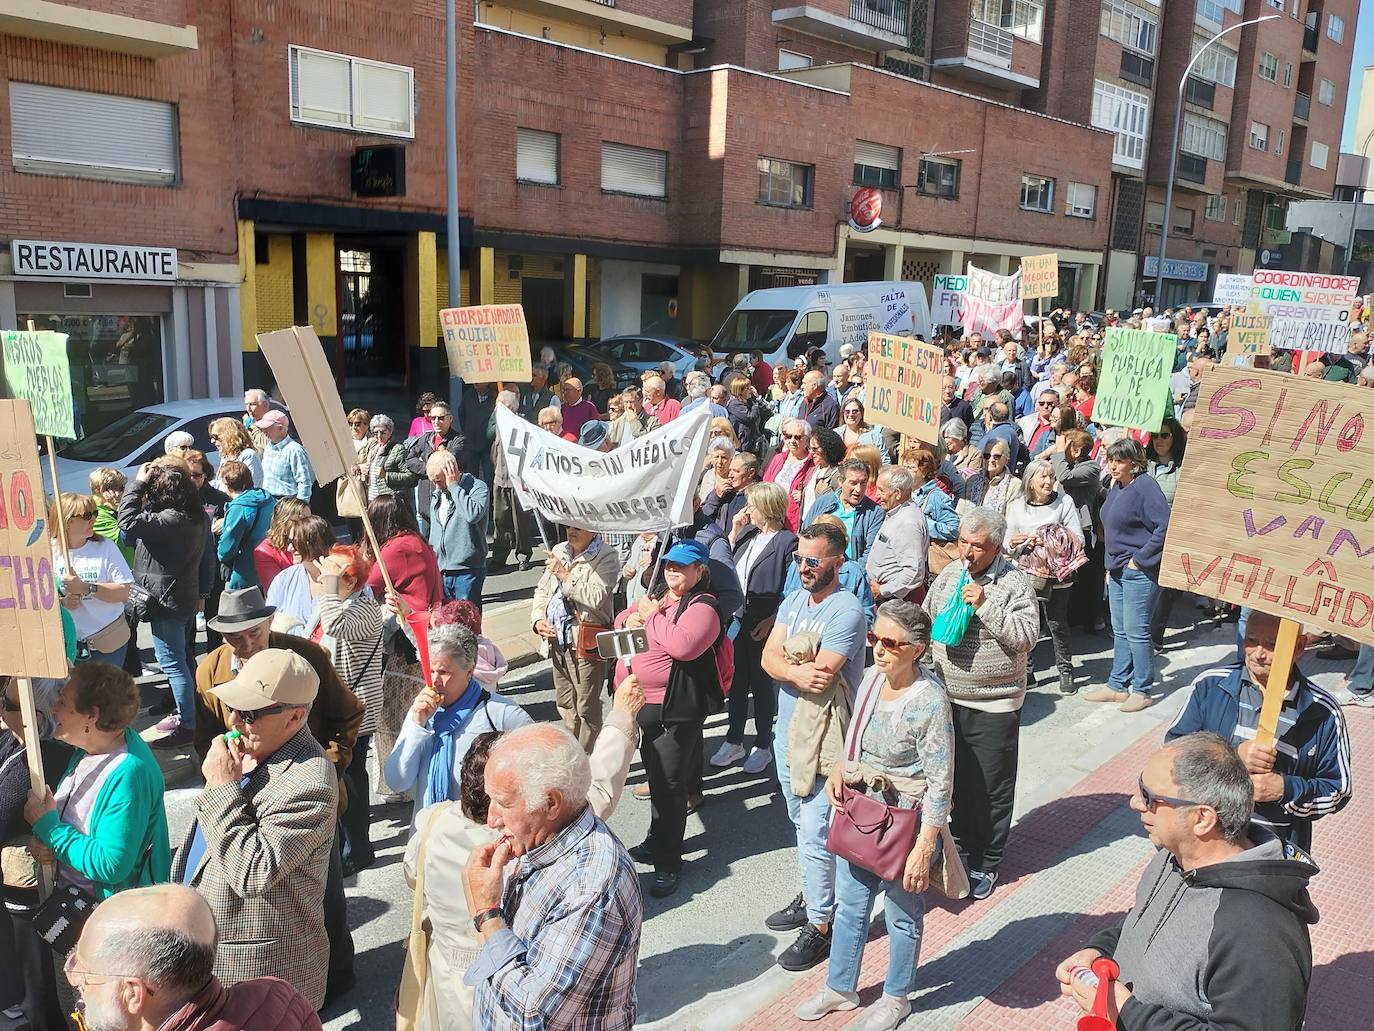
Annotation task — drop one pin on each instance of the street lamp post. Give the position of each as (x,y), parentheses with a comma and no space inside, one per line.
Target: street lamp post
(1173,151)
(1355,198)
(455,297)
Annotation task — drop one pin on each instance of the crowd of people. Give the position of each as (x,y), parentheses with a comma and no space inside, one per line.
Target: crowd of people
(872,603)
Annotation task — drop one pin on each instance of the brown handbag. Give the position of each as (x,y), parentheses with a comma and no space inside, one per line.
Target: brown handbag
(584,640)
(941,554)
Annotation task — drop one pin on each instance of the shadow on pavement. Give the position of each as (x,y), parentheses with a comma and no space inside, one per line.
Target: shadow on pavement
(1342,993)
(720,966)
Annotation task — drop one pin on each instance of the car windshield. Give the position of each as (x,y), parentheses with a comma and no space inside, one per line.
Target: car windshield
(118,440)
(753,329)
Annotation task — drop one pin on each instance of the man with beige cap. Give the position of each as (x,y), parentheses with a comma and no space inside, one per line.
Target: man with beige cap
(258,851)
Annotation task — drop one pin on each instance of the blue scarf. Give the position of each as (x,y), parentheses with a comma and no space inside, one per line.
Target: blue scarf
(446,723)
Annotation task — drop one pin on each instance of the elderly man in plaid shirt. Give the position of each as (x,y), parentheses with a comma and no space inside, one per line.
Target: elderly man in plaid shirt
(560,938)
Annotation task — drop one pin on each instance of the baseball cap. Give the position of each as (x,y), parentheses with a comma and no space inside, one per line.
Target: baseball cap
(684,552)
(271,677)
(272,418)
(593,434)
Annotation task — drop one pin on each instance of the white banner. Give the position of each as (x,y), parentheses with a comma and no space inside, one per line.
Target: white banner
(947,301)
(992,302)
(646,484)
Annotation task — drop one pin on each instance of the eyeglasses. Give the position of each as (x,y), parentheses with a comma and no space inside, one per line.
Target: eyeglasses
(1151,799)
(79,978)
(251,716)
(794,436)
(1163,435)
(888,643)
(809,561)
(215,437)
(1045,404)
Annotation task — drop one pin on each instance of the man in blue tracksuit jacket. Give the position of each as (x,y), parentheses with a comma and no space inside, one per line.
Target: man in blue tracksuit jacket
(862,516)
(1305,773)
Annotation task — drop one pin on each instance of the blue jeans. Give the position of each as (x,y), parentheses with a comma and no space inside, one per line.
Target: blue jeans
(1131,593)
(114,658)
(169,645)
(905,914)
(464,586)
(1362,676)
(811,817)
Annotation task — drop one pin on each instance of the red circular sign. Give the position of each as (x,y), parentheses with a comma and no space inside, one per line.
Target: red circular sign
(866,208)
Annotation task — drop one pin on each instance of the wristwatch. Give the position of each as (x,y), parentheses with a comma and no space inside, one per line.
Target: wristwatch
(486,914)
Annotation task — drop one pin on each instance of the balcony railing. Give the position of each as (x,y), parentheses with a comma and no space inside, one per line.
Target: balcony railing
(1192,168)
(1303,107)
(1201,93)
(1293,173)
(1309,39)
(888,15)
(605,3)
(991,43)
(1137,68)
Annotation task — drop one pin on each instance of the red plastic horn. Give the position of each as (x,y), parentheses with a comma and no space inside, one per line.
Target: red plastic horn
(1107,972)
(419,627)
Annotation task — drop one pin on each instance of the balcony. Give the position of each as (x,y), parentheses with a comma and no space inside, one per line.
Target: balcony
(866,24)
(98,30)
(991,42)
(1192,168)
(1293,173)
(1201,93)
(1137,68)
(662,23)
(1302,108)
(987,57)
(1310,35)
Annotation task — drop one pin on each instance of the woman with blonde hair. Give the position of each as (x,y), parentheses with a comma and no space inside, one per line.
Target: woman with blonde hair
(720,427)
(231,440)
(96,585)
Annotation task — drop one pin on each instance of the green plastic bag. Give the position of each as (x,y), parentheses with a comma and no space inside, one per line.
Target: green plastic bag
(951,622)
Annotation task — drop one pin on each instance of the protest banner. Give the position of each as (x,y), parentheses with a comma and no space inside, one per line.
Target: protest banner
(647,484)
(947,301)
(992,302)
(1310,311)
(902,384)
(1232,289)
(37,370)
(1133,390)
(896,316)
(487,343)
(1248,336)
(317,415)
(1039,276)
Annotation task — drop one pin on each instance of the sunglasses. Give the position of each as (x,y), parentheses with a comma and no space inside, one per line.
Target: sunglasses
(1151,799)
(1044,404)
(794,436)
(887,642)
(251,716)
(809,561)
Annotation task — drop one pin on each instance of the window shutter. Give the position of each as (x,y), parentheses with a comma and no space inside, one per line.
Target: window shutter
(92,135)
(321,88)
(636,170)
(382,101)
(536,156)
(876,155)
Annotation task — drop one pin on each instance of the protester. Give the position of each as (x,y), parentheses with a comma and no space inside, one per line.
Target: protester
(408,559)
(1080,478)
(1165,464)
(1305,773)
(791,467)
(96,585)
(286,468)
(247,520)
(575,600)
(512,532)
(273,553)
(1218,936)
(827,452)
(560,943)
(716,475)
(259,849)
(358,419)
(818,693)
(953,407)
(819,407)
(1134,517)
(232,441)
(381,465)
(423,423)
(985,678)
(160,515)
(164,942)
(551,421)
(900,750)
(896,562)
(294,589)
(634,420)
(861,516)
(942,521)
(727,500)
(537,396)
(458,527)
(855,430)
(658,404)
(746,413)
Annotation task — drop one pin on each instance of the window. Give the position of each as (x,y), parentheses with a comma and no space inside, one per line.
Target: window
(1287,74)
(1335,28)
(1080,200)
(1320,152)
(637,170)
(785,184)
(1278,144)
(939,177)
(1126,113)
(1276,217)
(1025,19)
(1217,64)
(813,329)
(1131,26)
(536,156)
(1037,193)
(1326,92)
(1154,215)
(1275,3)
(345,92)
(789,60)
(1259,136)
(876,164)
(1215,211)
(1183,221)
(1212,11)
(1269,67)
(1204,136)
(1236,212)
(93,135)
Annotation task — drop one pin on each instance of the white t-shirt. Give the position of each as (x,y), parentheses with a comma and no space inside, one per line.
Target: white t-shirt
(98,561)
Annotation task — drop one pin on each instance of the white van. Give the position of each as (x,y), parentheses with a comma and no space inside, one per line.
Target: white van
(785,322)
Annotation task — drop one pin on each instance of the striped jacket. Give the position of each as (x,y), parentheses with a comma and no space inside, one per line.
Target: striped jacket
(1313,744)
(355,624)
(263,869)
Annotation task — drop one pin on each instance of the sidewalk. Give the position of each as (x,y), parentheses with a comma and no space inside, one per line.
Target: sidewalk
(1072,867)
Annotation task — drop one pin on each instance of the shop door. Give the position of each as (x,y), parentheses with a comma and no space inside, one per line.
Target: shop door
(372,314)
(542,300)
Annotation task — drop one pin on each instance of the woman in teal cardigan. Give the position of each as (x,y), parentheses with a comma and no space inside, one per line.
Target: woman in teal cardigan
(106,826)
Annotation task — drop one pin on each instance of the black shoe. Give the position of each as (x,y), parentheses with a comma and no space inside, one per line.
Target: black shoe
(338,984)
(641,854)
(664,884)
(1066,684)
(790,917)
(811,948)
(526,565)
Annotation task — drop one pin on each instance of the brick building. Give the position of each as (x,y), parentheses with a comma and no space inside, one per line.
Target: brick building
(625,165)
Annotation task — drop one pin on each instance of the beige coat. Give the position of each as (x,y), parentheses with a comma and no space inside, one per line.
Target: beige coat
(589,588)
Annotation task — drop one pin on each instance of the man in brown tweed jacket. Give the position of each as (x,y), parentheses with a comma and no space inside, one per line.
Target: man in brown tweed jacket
(259,849)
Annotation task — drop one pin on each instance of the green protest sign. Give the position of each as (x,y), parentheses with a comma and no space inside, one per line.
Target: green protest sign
(37,371)
(1134,387)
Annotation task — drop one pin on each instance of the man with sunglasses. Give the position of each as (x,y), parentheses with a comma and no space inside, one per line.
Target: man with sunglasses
(1218,936)
(259,849)
(1037,428)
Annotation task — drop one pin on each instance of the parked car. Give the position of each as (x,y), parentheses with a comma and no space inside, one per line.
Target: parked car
(631,355)
(128,442)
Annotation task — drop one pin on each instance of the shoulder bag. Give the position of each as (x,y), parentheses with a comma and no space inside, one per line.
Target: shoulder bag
(410,993)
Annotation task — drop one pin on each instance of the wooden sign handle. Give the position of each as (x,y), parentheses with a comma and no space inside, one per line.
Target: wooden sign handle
(57,506)
(1277,687)
(371,534)
(34,755)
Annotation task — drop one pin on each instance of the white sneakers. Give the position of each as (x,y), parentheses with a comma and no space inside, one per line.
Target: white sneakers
(759,760)
(827,1000)
(727,754)
(883,1015)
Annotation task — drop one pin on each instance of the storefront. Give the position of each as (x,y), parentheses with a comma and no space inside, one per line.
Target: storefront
(1185,281)
(142,327)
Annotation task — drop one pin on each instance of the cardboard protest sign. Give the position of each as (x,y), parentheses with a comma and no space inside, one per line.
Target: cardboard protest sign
(307,386)
(487,343)
(1274,501)
(947,300)
(1039,276)
(1247,337)
(902,384)
(992,302)
(37,370)
(1232,289)
(646,484)
(1133,390)
(31,642)
(1310,310)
